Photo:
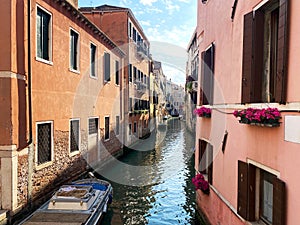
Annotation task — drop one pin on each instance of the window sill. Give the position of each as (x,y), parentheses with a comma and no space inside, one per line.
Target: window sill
(44,165)
(94,77)
(71,154)
(260,222)
(74,71)
(50,63)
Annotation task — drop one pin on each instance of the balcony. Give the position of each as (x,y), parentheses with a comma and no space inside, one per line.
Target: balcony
(142,51)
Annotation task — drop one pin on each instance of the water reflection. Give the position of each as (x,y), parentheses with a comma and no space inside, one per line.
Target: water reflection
(167,196)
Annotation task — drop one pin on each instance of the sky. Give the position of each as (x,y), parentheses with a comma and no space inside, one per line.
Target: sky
(168,23)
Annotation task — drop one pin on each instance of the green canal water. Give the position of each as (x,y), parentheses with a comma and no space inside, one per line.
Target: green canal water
(153,185)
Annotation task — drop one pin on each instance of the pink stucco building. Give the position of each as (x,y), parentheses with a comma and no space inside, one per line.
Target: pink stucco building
(249,59)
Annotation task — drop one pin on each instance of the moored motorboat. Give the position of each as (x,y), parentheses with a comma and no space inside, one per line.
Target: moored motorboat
(81,202)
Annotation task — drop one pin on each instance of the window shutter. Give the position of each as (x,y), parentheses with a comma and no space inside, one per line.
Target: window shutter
(251,192)
(107,66)
(203,99)
(242,189)
(279,202)
(281,76)
(202,158)
(210,166)
(247,58)
(211,72)
(258,60)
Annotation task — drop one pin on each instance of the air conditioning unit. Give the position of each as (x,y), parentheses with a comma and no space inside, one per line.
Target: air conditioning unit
(195,85)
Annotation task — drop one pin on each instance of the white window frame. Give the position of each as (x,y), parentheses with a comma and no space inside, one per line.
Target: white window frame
(79,138)
(46,164)
(78,52)
(96,68)
(50,61)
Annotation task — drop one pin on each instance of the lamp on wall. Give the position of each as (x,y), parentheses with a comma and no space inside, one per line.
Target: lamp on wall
(224,141)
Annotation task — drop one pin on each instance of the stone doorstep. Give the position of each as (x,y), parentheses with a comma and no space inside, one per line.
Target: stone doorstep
(3,216)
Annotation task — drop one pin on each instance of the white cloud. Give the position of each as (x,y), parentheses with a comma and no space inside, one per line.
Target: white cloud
(145,23)
(147,2)
(179,35)
(171,7)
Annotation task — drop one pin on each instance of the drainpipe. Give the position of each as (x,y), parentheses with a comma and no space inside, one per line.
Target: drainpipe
(30,139)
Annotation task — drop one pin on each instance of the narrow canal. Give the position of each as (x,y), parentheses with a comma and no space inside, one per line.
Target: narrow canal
(159,191)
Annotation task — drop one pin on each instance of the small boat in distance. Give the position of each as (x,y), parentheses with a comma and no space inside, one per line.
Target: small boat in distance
(81,202)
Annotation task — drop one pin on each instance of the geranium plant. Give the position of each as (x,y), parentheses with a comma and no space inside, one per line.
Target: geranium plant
(265,116)
(203,112)
(200,183)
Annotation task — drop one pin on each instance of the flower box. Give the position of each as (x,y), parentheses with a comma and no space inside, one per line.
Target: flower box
(266,117)
(200,183)
(203,112)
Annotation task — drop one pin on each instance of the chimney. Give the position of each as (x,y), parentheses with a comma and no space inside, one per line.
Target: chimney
(73,3)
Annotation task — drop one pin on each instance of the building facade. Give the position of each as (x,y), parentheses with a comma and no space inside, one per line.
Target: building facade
(61,98)
(191,85)
(123,28)
(249,75)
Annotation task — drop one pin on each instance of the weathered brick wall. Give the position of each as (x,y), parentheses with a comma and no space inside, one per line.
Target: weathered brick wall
(63,169)
(113,146)
(22,179)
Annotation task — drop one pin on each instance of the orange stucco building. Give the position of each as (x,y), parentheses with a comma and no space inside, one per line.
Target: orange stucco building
(61,101)
(249,60)
(123,28)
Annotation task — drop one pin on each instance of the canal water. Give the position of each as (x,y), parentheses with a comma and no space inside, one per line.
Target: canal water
(153,186)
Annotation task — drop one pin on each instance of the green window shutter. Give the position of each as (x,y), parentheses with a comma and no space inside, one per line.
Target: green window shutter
(282,55)
(107,67)
(279,202)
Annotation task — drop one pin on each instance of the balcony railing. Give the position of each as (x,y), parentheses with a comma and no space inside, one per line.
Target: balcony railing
(142,51)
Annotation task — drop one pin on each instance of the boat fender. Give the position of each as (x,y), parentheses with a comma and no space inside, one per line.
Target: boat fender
(81,203)
(53,202)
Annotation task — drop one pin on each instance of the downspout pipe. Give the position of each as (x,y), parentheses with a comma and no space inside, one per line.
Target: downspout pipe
(29,76)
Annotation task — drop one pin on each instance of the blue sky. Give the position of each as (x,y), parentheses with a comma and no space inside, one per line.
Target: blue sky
(165,22)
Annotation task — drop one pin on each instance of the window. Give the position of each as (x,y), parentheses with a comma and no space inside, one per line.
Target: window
(106,129)
(134,35)
(134,73)
(265,53)
(74,135)
(93,126)
(130,72)
(134,127)
(130,129)
(74,37)
(130,30)
(43,34)
(130,104)
(206,160)
(44,142)
(261,195)
(106,67)
(207,75)
(93,60)
(117,125)
(117,71)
